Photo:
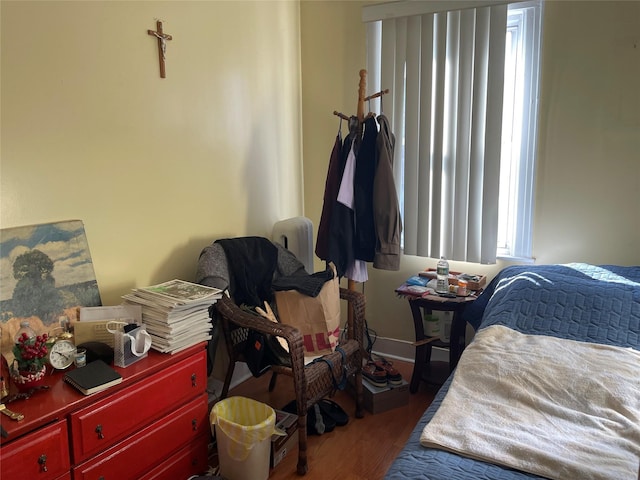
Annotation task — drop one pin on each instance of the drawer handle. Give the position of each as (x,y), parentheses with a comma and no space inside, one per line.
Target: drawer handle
(194,424)
(99,432)
(193,380)
(43,462)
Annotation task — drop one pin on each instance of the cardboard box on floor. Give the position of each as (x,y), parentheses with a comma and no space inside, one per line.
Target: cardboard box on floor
(381,399)
(282,445)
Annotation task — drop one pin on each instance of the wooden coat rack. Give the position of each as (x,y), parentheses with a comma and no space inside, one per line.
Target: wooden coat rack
(362,98)
(362,89)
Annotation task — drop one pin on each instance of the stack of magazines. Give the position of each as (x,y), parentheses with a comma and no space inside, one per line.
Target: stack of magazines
(175,313)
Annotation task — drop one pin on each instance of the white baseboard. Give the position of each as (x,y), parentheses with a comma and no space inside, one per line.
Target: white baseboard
(240,374)
(405,351)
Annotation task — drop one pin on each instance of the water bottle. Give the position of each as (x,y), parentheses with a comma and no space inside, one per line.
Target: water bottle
(442,282)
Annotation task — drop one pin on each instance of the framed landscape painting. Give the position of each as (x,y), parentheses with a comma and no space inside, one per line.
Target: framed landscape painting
(46,274)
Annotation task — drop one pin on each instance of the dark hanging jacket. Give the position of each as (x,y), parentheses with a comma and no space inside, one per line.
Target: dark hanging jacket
(386,210)
(331,187)
(341,228)
(366,163)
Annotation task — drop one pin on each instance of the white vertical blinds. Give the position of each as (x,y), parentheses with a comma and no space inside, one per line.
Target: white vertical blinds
(446,75)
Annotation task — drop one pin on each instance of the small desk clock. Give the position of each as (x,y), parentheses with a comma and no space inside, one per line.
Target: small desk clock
(62,352)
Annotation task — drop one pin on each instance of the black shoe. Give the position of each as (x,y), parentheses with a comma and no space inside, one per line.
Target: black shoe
(317,421)
(331,409)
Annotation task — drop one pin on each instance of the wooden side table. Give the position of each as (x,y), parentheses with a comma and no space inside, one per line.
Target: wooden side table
(424,369)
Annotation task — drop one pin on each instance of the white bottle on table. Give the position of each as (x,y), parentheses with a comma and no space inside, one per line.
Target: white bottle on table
(445,327)
(442,278)
(431,325)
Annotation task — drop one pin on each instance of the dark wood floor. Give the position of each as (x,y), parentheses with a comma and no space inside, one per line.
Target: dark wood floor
(361,450)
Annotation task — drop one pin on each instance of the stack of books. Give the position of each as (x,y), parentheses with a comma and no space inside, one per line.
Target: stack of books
(175,313)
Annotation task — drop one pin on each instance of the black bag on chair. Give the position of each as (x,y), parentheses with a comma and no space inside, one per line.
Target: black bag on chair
(263,350)
(254,353)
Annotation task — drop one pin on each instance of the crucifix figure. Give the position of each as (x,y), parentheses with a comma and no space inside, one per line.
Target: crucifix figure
(162,45)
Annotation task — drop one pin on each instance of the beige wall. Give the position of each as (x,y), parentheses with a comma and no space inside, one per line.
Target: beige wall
(588,180)
(156,168)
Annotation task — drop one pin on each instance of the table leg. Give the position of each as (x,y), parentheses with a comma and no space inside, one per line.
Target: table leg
(420,362)
(457,341)
(421,350)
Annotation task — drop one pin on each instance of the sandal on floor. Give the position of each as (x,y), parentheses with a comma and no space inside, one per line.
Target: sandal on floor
(375,374)
(393,376)
(329,408)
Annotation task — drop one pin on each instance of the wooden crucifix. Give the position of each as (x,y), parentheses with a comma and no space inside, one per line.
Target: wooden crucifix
(162,45)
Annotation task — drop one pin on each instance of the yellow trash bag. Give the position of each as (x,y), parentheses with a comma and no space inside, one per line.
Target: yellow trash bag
(245,422)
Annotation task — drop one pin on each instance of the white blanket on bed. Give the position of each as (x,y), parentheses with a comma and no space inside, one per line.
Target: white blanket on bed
(557,408)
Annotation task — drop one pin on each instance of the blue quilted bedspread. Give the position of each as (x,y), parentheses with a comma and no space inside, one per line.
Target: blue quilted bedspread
(599,304)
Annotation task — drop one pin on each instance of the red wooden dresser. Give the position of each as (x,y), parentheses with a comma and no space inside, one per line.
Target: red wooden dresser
(153,425)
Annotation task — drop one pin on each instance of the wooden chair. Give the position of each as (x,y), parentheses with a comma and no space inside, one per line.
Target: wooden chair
(311,382)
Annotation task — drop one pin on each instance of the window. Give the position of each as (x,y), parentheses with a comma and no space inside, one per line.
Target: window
(463,108)
(519,125)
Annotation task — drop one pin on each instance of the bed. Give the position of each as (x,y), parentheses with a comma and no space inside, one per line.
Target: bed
(524,401)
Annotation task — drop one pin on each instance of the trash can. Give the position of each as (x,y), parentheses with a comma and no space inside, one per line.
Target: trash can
(243,429)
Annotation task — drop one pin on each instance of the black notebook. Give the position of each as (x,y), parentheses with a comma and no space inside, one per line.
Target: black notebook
(93,377)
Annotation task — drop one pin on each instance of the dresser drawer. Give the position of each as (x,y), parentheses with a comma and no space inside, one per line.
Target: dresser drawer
(149,447)
(112,419)
(191,460)
(41,455)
